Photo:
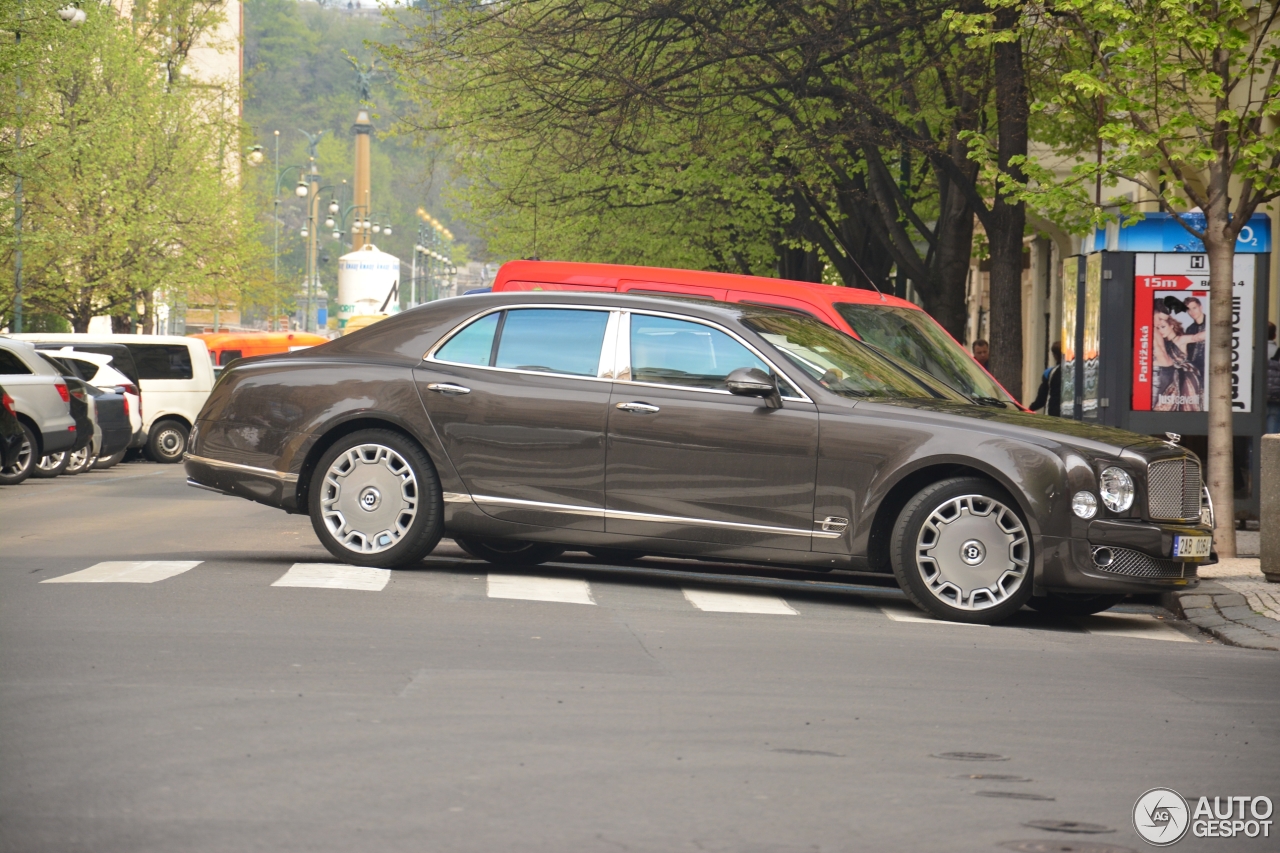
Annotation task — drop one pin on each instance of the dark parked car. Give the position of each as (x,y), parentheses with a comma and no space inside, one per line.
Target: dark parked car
(523,423)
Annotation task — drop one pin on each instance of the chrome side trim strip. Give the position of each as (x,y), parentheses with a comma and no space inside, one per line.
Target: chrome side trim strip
(513,503)
(456,498)
(236,466)
(622,515)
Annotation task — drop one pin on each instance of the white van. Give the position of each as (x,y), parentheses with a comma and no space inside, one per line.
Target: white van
(176,379)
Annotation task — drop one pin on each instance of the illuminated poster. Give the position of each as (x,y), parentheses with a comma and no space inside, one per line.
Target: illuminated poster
(1070,277)
(1092,335)
(1171,333)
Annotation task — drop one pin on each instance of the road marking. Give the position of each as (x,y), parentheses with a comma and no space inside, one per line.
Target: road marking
(737,602)
(335,576)
(1135,625)
(128,571)
(910,614)
(532,588)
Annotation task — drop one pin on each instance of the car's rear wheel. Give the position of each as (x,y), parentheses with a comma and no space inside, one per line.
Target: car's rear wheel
(509,552)
(615,555)
(79,461)
(1074,604)
(961,551)
(375,500)
(21,469)
(167,442)
(51,465)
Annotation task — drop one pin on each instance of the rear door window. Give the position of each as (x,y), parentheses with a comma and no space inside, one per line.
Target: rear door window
(162,361)
(552,340)
(546,340)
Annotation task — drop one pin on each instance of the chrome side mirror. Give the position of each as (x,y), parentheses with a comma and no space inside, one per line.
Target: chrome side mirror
(754,382)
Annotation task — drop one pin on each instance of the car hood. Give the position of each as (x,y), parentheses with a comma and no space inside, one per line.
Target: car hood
(1087,437)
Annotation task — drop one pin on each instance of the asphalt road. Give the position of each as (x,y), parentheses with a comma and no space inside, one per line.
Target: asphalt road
(225,702)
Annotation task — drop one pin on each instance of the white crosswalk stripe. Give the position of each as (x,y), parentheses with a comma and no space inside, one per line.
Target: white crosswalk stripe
(335,576)
(531,588)
(1141,626)
(738,602)
(128,571)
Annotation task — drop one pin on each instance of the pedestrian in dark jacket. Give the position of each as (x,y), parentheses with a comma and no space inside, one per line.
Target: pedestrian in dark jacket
(1049,397)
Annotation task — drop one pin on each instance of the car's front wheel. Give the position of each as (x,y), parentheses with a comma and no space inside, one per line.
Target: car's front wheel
(509,552)
(375,500)
(961,551)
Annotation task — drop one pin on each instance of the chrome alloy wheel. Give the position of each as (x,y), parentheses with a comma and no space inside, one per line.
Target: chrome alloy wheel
(50,461)
(23,460)
(369,498)
(972,552)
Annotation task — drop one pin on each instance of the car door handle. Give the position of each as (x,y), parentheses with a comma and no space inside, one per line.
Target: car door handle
(638,408)
(447,388)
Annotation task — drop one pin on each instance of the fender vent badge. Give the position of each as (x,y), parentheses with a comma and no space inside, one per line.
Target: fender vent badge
(834,524)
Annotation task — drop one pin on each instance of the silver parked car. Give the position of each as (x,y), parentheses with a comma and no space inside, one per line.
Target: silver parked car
(41,401)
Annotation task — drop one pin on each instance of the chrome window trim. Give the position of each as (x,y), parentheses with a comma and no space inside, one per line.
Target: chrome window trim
(623,515)
(218,463)
(624,343)
(430,356)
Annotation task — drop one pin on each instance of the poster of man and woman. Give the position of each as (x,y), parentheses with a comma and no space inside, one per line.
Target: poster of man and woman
(1171,333)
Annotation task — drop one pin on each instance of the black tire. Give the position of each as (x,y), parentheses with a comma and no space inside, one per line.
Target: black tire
(167,441)
(382,462)
(51,465)
(21,470)
(79,461)
(509,552)
(978,571)
(615,555)
(1074,604)
(110,461)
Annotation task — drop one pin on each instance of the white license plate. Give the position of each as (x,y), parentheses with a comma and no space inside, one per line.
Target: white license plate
(1192,546)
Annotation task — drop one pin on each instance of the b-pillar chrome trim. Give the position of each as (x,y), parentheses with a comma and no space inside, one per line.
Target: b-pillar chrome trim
(236,466)
(622,515)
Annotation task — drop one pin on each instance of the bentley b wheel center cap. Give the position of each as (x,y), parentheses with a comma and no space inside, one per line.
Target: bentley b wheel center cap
(973,552)
(370,498)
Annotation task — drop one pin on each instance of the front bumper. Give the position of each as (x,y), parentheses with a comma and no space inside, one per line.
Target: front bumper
(1121,557)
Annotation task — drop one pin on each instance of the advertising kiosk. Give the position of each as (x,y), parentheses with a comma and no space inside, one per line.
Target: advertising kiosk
(1135,330)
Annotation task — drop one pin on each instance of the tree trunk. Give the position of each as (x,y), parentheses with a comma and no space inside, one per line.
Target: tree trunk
(954,233)
(1219,243)
(1008,216)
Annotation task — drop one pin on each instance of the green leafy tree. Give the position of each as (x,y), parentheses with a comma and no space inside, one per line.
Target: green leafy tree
(128,172)
(1180,98)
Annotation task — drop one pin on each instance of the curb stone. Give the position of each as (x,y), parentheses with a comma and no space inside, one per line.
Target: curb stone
(1217,610)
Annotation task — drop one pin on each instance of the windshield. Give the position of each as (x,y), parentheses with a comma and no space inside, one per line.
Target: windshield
(915,338)
(839,363)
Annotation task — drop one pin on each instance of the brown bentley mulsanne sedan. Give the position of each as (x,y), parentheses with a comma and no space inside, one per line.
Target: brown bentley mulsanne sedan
(522,424)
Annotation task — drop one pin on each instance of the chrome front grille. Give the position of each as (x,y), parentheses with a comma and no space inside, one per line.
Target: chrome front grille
(1173,489)
(1136,564)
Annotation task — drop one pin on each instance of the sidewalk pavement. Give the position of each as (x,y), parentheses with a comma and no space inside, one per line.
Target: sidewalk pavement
(1234,602)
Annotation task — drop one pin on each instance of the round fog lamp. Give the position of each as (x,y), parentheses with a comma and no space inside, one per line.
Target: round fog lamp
(1116,487)
(1084,504)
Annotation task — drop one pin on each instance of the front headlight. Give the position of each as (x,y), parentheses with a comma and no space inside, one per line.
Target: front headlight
(1084,505)
(1116,487)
